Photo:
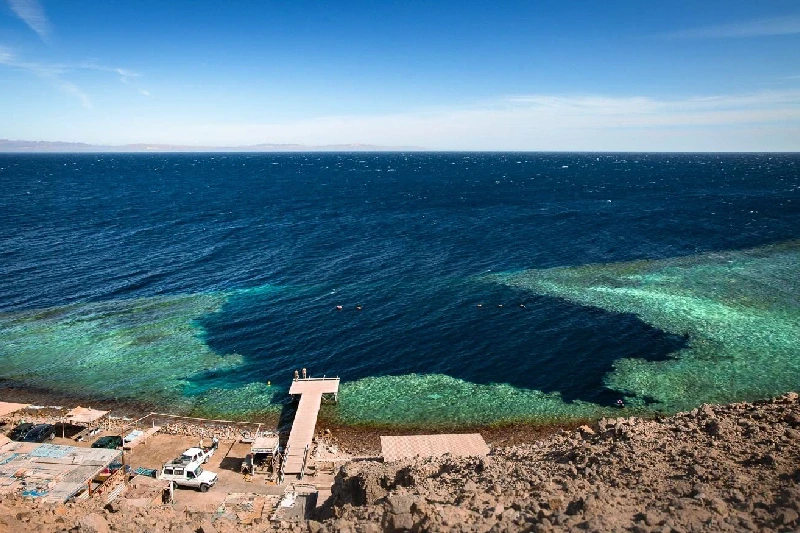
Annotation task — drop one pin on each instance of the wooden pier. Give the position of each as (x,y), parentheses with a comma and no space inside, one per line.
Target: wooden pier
(311,391)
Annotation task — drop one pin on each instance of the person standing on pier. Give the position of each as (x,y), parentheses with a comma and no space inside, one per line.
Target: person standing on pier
(296,375)
(304,373)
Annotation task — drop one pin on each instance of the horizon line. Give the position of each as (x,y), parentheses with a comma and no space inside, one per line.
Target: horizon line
(395,151)
(8,146)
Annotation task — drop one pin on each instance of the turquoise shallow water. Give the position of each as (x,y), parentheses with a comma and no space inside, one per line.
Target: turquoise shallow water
(492,287)
(154,350)
(740,312)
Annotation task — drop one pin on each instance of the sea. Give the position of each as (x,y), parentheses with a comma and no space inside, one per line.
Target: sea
(458,289)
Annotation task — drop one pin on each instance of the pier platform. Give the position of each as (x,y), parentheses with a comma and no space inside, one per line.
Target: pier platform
(411,446)
(311,391)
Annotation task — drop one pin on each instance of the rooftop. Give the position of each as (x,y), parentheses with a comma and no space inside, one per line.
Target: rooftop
(50,471)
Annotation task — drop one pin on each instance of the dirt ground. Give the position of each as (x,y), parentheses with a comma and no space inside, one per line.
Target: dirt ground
(164,446)
(226,463)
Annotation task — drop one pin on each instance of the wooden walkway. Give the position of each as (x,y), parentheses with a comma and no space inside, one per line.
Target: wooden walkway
(305,420)
(410,446)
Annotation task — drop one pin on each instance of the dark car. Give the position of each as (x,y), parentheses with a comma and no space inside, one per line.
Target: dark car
(112,442)
(40,433)
(19,432)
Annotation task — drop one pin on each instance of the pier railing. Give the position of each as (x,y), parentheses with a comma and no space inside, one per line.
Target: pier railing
(283,466)
(305,462)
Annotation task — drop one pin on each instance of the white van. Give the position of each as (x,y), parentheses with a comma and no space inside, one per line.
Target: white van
(189,475)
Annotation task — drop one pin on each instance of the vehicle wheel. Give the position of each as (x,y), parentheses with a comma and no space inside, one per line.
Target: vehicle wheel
(204,488)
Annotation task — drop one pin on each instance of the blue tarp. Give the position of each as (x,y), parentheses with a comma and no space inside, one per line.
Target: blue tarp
(133,435)
(9,458)
(146,472)
(54,451)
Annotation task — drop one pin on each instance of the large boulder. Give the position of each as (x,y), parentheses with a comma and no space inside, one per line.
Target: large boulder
(365,483)
(91,523)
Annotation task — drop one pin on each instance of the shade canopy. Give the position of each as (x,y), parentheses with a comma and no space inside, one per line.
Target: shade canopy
(84,415)
(8,408)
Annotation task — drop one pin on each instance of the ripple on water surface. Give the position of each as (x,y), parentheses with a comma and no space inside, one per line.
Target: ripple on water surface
(738,311)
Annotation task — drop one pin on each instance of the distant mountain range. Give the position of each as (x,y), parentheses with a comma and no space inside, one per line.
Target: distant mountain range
(60,147)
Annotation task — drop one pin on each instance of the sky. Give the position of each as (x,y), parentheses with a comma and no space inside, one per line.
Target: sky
(447,75)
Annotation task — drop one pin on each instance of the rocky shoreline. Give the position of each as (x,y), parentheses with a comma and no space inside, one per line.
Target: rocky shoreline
(717,468)
(355,440)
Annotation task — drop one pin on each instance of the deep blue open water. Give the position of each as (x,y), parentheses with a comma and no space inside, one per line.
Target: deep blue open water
(193,279)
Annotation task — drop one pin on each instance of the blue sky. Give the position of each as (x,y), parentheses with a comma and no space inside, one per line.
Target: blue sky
(548,75)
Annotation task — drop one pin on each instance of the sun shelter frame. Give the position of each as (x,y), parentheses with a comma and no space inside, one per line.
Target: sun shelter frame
(83,416)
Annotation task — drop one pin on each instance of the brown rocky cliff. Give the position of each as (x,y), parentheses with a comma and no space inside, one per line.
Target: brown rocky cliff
(728,468)
(717,468)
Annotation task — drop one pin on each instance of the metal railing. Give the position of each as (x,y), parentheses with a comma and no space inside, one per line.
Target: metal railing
(283,465)
(305,461)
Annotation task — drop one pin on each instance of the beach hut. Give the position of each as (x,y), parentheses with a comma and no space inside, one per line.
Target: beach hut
(263,453)
(56,473)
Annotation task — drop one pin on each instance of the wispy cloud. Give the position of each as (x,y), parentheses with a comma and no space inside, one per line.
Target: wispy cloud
(72,89)
(756,121)
(640,107)
(764,27)
(125,75)
(54,73)
(51,73)
(144,92)
(5,55)
(32,13)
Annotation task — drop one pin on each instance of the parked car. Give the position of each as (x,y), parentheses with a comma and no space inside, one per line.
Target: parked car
(112,442)
(40,433)
(189,475)
(19,432)
(196,455)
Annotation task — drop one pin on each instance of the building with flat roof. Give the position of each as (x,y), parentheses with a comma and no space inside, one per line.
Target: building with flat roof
(53,472)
